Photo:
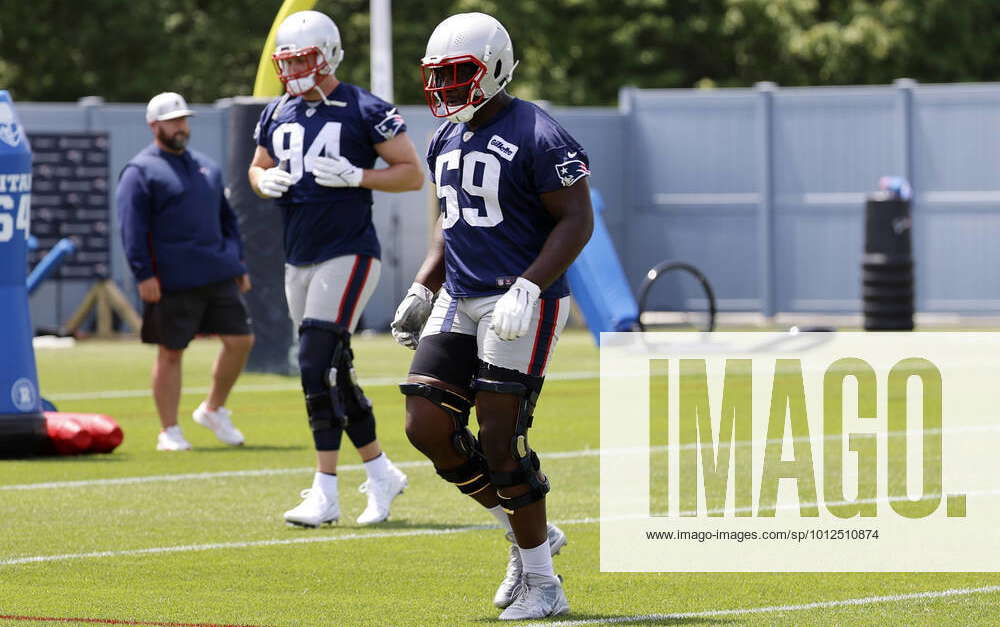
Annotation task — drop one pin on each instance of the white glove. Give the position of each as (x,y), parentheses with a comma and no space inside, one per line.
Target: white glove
(512,313)
(411,315)
(274,182)
(336,172)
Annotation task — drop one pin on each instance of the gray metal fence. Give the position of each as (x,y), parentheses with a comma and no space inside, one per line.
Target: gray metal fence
(764,190)
(761,188)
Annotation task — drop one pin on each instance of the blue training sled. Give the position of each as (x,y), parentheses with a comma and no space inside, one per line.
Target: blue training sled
(598,281)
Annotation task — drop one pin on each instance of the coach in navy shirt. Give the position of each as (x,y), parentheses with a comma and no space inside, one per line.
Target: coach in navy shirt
(183,246)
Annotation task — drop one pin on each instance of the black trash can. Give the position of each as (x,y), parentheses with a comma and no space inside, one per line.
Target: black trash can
(887,264)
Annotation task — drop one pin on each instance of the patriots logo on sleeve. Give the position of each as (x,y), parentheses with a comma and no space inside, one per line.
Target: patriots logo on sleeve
(390,125)
(571,170)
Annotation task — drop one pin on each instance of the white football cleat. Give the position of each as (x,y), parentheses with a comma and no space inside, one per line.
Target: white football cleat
(317,508)
(511,584)
(220,422)
(541,596)
(172,439)
(380,496)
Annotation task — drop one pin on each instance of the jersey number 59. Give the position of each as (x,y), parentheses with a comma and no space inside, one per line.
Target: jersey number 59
(488,190)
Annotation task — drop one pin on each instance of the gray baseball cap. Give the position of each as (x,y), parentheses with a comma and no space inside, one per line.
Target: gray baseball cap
(167,106)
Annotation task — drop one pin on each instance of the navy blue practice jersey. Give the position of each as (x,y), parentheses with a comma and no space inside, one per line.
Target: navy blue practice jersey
(489,183)
(325,222)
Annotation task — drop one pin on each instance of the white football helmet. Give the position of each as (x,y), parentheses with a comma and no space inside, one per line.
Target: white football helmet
(307,47)
(469,60)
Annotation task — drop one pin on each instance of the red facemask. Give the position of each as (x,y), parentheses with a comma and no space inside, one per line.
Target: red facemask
(452,84)
(298,69)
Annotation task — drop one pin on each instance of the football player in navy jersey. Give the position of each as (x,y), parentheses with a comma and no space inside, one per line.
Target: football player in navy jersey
(515,212)
(316,152)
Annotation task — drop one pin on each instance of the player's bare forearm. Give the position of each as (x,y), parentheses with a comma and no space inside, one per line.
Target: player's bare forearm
(571,209)
(253,175)
(261,161)
(431,272)
(564,243)
(401,177)
(404,173)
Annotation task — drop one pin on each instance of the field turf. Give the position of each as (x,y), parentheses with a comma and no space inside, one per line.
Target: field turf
(147,538)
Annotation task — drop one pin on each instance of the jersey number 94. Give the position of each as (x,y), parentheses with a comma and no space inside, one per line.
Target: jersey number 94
(287,142)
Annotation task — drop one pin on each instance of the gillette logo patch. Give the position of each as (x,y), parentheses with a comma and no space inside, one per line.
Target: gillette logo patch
(502,147)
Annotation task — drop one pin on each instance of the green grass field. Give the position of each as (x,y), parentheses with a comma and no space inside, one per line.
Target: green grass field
(141,537)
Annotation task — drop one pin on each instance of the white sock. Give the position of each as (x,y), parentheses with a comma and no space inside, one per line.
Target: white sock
(538,560)
(501,517)
(378,468)
(325,483)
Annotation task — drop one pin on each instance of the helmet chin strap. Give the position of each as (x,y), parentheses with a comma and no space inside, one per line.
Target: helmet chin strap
(298,83)
(468,112)
(327,101)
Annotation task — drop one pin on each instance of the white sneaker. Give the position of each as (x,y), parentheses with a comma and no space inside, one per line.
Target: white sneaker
(380,496)
(220,422)
(510,587)
(316,509)
(171,439)
(540,597)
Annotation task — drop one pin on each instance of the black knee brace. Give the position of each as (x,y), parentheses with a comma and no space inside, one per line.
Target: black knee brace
(334,399)
(321,345)
(472,476)
(360,425)
(356,404)
(527,388)
(456,406)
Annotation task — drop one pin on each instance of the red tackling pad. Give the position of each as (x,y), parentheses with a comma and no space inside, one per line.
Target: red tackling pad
(73,434)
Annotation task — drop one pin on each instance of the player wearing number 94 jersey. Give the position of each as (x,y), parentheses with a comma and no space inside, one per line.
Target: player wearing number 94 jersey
(316,149)
(515,212)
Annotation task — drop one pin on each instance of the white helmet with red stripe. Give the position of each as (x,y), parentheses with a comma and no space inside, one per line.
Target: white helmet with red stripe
(307,47)
(469,59)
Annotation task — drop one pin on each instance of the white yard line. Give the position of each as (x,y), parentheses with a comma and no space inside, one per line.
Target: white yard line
(237,545)
(256,543)
(278,387)
(412,532)
(265,472)
(195,476)
(891,598)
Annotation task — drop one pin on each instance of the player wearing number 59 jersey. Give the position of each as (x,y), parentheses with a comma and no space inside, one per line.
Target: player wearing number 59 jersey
(515,212)
(490,182)
(316,149)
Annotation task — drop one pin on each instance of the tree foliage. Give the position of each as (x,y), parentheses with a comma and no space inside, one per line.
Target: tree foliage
(53,50)
(575,52)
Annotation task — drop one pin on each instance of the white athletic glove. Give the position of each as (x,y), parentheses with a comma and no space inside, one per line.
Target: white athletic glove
(411,315)
(512,313)
(274,182)
(336,172)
